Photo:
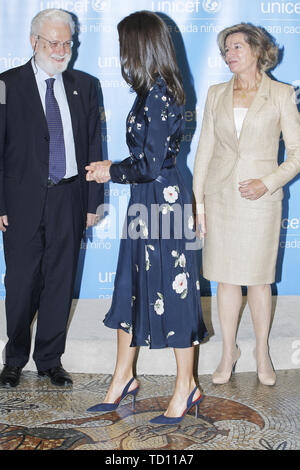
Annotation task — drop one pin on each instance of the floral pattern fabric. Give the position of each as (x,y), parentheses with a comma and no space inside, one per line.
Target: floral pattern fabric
(157,290)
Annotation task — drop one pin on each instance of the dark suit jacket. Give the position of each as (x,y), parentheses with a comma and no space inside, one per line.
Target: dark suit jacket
(24,143)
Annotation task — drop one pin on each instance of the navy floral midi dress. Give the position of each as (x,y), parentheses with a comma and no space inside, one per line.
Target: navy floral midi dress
(157,292)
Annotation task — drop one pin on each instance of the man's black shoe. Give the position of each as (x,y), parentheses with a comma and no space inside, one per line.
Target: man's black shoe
(57,375)
(10,375)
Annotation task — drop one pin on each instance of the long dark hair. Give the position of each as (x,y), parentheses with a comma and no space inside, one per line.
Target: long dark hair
(146,51)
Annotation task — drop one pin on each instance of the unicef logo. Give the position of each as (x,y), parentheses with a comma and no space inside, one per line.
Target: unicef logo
(101,6)
(212,6)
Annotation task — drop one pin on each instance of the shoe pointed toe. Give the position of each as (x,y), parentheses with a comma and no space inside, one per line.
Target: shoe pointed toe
(162,419)
(221,377)
(102,407)
(266,375)
(267,379)
(113,406)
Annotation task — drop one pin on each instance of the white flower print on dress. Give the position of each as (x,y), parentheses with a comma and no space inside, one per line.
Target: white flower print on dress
(147,259)
(159,304)
(144,228)
(131,119)
(165,208)
(171,194)
(182,261)
(181,280)
(164,115)
(191,222)
(127,326)
(180,283)
(171,333)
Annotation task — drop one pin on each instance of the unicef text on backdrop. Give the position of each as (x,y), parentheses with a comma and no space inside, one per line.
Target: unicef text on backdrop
(187,6)
(78,6)
(280,8)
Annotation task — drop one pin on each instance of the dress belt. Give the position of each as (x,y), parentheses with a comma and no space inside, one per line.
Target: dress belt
(51,183)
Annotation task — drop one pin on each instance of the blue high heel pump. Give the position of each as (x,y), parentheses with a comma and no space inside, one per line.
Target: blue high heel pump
(162,419)
(114,406)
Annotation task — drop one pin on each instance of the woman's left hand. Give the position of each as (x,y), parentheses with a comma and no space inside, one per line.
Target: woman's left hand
(98,171)
(252,189)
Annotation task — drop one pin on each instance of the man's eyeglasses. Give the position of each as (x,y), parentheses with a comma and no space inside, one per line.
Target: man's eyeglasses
(55,45)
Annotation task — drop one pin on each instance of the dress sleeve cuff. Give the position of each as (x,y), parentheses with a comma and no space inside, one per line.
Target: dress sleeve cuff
(114,174)
(269,183)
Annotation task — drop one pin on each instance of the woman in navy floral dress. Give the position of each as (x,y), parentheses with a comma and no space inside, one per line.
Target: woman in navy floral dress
(156,299)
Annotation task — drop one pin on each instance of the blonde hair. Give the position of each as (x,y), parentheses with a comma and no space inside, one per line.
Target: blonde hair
(261,43)
(53,15)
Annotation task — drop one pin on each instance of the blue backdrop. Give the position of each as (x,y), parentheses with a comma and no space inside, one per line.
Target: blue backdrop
(194,26)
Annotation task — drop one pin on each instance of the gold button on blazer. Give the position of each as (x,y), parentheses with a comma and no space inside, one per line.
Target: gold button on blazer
(242,235)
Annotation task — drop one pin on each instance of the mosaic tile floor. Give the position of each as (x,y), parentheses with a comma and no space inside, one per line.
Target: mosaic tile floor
(241,415)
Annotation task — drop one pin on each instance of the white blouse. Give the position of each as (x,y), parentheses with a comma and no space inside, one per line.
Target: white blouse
(239,116)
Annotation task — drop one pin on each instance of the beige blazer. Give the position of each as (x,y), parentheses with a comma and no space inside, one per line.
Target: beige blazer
(255,153)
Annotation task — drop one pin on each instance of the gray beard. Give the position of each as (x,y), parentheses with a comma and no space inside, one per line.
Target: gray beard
(49,67)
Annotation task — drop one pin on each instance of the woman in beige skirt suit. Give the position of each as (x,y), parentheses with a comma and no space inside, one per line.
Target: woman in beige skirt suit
(238,186)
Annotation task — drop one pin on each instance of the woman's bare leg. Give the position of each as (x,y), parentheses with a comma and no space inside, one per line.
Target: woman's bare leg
(229,299)
(123,369)
(185,382)
(260,304)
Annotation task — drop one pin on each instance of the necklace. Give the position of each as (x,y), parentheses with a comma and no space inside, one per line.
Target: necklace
(245,91)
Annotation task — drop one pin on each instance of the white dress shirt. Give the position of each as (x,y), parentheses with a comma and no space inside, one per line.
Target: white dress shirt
(61,98)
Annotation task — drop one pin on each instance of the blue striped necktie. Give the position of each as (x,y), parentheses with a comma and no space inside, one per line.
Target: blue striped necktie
(57,151)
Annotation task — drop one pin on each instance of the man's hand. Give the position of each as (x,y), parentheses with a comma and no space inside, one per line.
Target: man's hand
(91,219)
(98,171)
(3,223)
(252,189)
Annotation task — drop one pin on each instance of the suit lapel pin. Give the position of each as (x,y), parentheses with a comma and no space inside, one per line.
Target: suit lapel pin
(75,92)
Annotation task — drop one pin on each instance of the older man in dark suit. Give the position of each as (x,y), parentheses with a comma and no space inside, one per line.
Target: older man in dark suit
(49,132)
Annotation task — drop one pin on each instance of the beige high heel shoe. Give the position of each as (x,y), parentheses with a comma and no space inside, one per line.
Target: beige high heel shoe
(221,377)
(266,378)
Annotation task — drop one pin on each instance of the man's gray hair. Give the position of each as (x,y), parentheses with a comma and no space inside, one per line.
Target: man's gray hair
(52,15)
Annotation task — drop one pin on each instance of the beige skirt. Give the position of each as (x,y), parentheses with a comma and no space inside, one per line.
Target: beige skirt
(242,239)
